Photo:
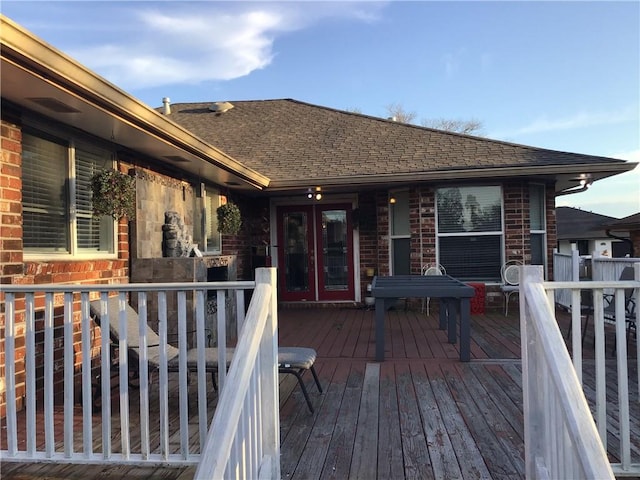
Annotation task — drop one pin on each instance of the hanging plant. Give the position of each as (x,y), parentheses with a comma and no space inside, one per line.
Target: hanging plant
(229,219)
(114,194)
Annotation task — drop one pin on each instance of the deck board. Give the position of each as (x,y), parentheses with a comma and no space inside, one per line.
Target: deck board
(420,414)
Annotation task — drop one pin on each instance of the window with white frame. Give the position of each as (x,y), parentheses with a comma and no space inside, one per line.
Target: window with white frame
(538,231)
(207,236)
(400,234)
(57,199)
(469,232)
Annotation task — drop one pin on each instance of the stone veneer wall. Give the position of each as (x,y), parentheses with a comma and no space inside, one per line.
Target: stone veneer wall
(155,195)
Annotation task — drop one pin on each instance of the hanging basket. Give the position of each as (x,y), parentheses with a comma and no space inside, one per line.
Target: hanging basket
(114,194)
(229,218)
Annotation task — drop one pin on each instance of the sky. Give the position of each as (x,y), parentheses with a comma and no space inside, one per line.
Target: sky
(557,75)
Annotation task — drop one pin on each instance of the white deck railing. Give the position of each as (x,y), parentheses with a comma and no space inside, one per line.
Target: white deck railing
(160,443)
(244,439)
(552,383)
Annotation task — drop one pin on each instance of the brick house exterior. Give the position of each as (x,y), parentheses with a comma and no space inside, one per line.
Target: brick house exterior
(268,157)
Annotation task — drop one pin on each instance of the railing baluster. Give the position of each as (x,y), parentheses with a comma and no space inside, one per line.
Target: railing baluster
(30,368)
(105,375)
(87,417)
(203,424)
(69,367)
(222,339)
(601,387)
(183,375)
(163,376)
(144,375)
(123,352)
(49,430)
(10,373)
(623,380)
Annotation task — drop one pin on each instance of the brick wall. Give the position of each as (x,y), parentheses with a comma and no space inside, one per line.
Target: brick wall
(14,269)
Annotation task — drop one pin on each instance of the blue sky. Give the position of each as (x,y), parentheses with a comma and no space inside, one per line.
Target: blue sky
(559,75)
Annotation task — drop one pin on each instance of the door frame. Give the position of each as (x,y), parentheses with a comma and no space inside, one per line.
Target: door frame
(277,249)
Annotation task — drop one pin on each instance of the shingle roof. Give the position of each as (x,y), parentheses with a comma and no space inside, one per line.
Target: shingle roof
(289,140)
(574,224)
(632,222)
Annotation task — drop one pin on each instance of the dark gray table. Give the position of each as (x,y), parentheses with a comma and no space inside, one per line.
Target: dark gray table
(455,301)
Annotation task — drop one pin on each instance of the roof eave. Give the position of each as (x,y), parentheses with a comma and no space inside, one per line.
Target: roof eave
(597,171)
(37,58)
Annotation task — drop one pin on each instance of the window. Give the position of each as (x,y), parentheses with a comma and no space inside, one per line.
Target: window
(538,226)
(207,236)
(469,232)
(400,234)
(57,209)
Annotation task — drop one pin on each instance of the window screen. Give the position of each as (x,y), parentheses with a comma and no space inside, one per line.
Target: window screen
(57,204)
(538,224)
(470,234)
(45,195)
(92,232)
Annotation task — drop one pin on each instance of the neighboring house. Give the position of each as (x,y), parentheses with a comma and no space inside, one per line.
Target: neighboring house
(590,233)
(630,225)
(330,197)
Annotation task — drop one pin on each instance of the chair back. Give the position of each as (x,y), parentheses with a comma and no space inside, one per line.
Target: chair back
(133,330)
(435,269)
(510,272)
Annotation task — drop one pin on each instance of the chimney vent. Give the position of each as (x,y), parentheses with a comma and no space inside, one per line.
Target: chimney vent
(166,102)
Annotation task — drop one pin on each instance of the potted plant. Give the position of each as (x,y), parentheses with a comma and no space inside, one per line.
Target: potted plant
(114,194)
(229,218)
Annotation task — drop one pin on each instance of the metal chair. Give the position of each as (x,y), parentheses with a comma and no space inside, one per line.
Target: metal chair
(434,269)
(510,274)
(296,360)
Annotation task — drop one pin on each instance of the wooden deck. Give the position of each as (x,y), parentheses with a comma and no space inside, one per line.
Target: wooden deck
(420,414)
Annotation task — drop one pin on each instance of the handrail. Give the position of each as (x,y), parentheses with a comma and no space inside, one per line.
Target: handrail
(561,439)
(229,451)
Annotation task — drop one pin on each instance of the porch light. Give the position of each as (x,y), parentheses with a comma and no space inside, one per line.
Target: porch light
(392,200)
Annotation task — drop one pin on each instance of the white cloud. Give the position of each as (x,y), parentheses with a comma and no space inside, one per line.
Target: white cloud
(195,42)
(578,120)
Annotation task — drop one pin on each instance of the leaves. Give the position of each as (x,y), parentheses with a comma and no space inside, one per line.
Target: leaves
(114,194)
(229,218)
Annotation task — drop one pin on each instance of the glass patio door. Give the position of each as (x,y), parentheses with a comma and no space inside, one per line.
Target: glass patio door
(315,253)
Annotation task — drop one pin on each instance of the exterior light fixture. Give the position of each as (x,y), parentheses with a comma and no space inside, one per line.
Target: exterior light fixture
(392,200)
(318,196)
(309,195)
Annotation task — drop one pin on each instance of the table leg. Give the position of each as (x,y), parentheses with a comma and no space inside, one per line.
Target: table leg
(443,313)
(465,329)
(453,308)
(380,303)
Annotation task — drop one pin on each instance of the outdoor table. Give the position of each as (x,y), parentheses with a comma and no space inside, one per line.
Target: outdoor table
(454,298)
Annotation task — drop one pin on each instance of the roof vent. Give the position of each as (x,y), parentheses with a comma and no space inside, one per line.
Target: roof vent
(221,107)
(166,105)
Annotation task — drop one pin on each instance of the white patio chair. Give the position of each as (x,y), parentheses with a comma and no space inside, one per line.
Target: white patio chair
(510,273)
(435,269)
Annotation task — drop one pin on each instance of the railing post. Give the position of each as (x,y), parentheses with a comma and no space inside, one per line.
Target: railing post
(532,430)
(269,381)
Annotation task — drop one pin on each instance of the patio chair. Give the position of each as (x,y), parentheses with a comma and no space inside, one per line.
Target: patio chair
(153,344)
(296,360)
(435,269)
(293,360)
(609,310)
(510,274)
